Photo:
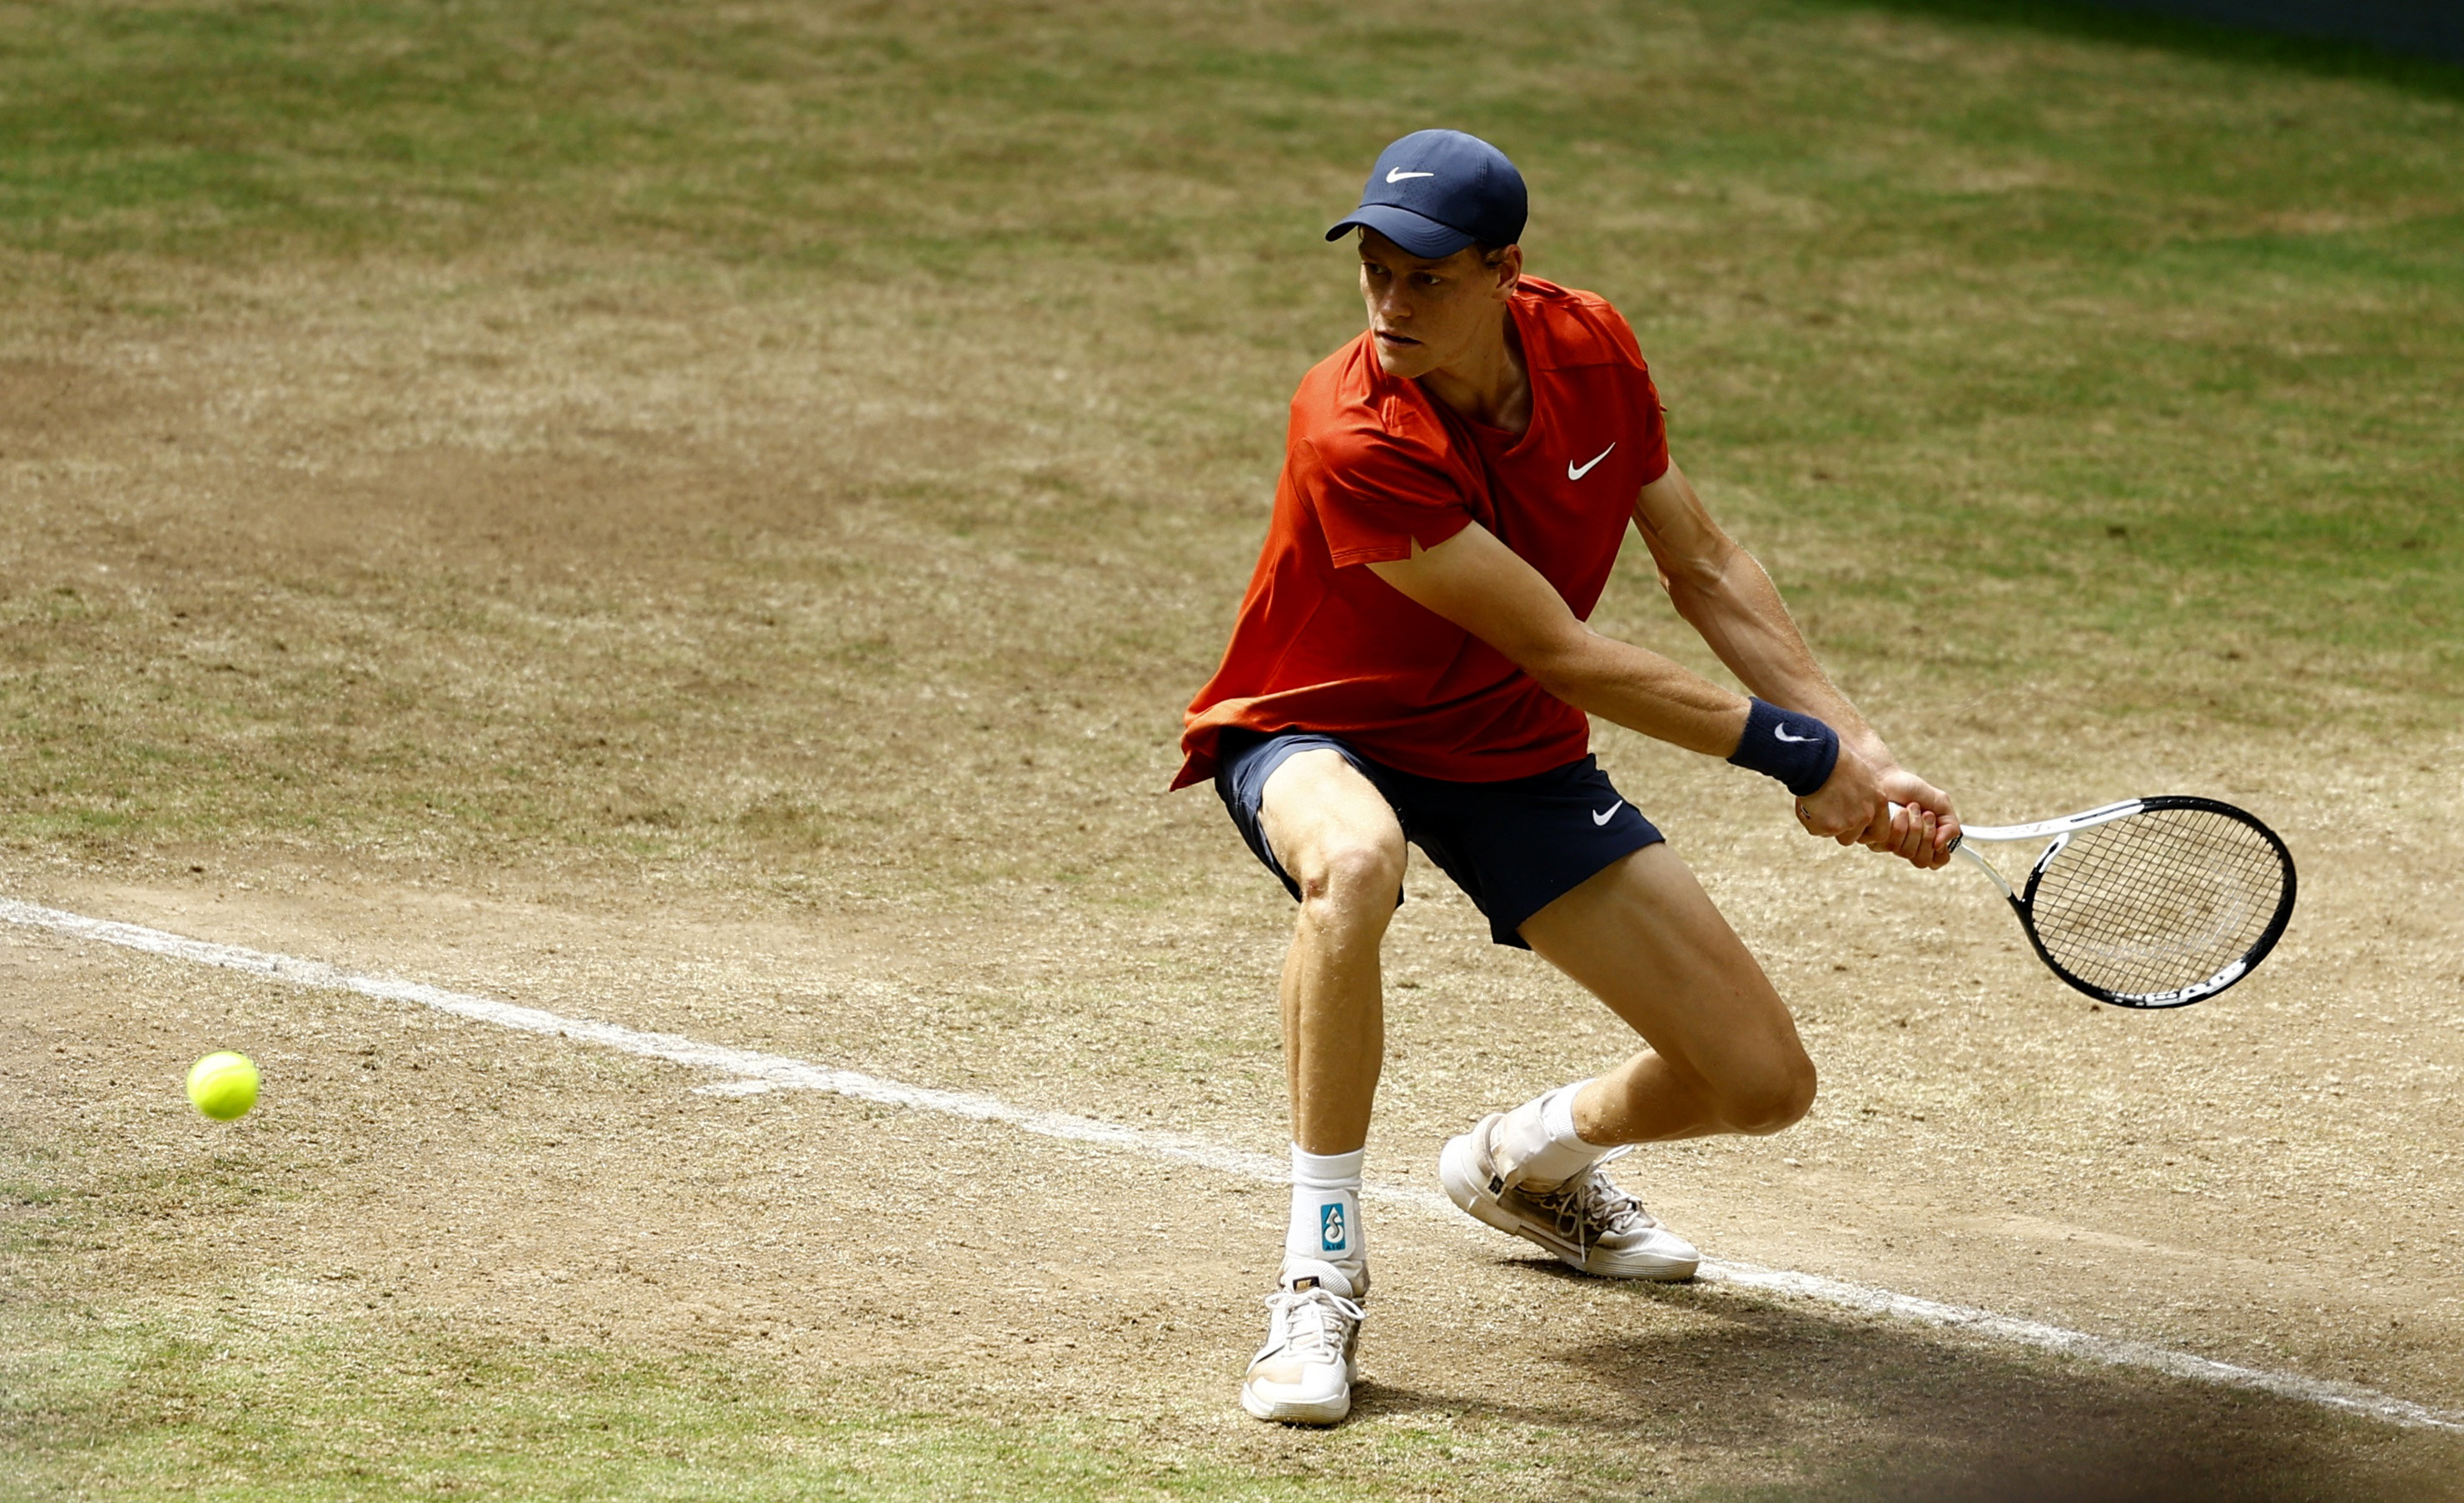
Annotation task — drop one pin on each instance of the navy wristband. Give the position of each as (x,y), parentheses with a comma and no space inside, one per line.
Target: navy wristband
(1796,748)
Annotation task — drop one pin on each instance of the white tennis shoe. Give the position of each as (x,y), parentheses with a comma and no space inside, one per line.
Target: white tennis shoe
(1302,1375)
(1587,1222)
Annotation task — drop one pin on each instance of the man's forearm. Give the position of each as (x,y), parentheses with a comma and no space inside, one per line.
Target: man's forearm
(1741,617)
(1640,689)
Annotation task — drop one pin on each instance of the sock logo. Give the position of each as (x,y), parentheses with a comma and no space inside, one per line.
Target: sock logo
(1329,1227)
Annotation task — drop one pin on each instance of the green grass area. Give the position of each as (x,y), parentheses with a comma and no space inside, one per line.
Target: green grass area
(2049,359)
(231,1390)
(246,1383)
(219,1405)
(2115,350)
(2077,350)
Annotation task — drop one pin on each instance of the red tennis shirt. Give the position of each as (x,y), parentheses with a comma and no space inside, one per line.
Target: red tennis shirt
(1372,463)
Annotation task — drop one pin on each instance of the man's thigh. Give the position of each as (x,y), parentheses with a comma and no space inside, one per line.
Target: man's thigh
(1317,811)
(1643,937)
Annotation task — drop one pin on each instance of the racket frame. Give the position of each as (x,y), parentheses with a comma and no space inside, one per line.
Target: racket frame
(2058,834)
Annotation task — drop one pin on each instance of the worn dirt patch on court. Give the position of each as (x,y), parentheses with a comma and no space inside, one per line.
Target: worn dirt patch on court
(407,1168)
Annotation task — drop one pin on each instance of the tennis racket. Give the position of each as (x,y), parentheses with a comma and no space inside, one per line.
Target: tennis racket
(2147,903)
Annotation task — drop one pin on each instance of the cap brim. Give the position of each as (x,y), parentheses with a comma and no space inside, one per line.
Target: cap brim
(1418,234)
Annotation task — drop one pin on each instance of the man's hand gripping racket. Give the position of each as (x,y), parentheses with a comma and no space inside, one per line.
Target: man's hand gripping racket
(2147,903)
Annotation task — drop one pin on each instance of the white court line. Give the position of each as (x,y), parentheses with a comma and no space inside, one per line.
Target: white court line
(747,1071)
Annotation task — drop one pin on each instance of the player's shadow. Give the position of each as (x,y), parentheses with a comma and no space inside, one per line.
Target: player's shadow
(1861,1407)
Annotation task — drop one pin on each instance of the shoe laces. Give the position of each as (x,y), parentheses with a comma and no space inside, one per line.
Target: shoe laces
(1313,1325)
(1590,1206)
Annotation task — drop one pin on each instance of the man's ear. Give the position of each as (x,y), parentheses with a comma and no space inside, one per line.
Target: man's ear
(1510,268)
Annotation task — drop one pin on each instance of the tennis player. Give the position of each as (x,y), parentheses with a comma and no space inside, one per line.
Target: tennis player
(1411,662)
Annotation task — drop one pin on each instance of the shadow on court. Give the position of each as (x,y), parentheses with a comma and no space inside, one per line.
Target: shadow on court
(1856,1408)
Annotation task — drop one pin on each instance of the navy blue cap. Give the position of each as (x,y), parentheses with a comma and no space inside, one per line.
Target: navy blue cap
(1437,191)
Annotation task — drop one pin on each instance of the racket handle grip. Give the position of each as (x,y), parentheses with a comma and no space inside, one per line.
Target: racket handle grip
(1954,839)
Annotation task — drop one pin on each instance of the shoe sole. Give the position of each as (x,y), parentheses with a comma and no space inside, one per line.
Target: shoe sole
(1326,1411)
(1330,1412)
(1459,1172)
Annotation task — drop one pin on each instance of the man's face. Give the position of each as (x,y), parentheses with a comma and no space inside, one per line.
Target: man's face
(1427,314)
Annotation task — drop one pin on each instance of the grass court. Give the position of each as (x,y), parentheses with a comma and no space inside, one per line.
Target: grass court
(706,517)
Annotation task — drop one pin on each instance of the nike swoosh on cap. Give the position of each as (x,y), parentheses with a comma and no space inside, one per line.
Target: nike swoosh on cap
(1397,174)
(1574,472)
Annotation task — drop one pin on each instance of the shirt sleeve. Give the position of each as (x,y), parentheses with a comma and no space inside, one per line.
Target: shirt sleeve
(1651,420)
(1650,415)
(1373,500)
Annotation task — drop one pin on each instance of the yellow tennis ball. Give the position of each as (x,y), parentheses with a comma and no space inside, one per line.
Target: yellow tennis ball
(223,1085)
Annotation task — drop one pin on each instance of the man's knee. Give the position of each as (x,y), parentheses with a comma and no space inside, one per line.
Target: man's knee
(1774,1096)
(1353,877)
(1329,828)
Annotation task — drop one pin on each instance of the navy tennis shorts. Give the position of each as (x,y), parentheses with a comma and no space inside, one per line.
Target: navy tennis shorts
(1514,846)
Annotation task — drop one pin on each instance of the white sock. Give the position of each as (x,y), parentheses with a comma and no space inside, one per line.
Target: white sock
(1537,1145)
(1325,1211)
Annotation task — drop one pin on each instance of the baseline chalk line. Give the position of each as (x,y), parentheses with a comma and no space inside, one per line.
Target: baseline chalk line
(745,1072)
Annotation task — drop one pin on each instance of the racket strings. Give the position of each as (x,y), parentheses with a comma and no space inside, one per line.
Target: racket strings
(2163,900)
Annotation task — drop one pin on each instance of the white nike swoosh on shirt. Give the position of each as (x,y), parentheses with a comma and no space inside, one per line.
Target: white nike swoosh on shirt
(1397,174)
(1604,815)
(1574,472)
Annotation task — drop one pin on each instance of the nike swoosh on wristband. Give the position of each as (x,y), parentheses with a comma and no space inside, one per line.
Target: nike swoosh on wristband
(1397,174)
(1780,733)
(1603,816)
(1574,472)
